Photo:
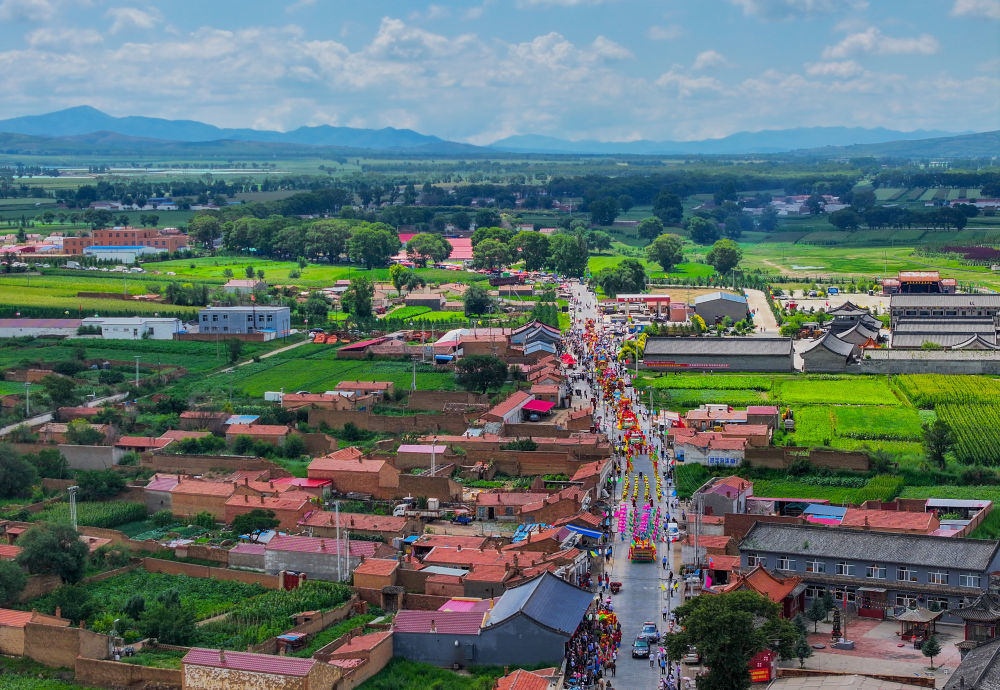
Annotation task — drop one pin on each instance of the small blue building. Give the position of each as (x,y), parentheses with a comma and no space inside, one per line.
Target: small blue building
(528,624)
(274,321)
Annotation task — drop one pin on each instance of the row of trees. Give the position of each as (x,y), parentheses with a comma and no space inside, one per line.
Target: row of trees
(564,252)
(880,217)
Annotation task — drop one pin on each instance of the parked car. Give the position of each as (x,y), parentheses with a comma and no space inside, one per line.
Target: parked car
(462,519)
(692,656)
(650,631)
(640,648)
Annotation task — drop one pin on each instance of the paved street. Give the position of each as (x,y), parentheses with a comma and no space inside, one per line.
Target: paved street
(641,598)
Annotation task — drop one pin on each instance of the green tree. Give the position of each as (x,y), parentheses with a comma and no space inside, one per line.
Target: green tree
(135,606)
(931,648)
(845,219)
(205,519)
(477,300)
(938,440)
(725,255)
(53,550)
(79,432)
(162,518)
(568,254)
(61,390)
(728,630)
(74,602)
(604,211)
(357,298)
(627,276)
(666,250)
(316,308)
(732,228)
(99,485)
(667,207)
(234,348)
(703,230)
(799,621)
(650,227)
(428,247)
(480,372)
(490,254)
(487,218)
(768,221)
(816,612)
(533,247)
(49,463)
(205,228)
(399,274)
(17,475)
(598,240)
(372,245)
(482,233)
(12,582)
(802,650)
(255,523)
(169,623)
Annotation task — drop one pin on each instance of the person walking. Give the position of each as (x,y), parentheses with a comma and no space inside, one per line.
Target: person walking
(664,562)
(652,659)
(663,666)
(664,613)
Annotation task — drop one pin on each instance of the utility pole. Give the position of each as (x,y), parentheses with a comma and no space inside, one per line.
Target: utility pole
(433,457)
(72,505)
(27,399)
(413,380)
(136,370)
(336,509)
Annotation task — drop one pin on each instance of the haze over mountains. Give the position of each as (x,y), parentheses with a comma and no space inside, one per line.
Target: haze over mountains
(86,128)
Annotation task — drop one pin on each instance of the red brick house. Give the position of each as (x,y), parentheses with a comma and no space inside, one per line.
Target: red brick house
(349,471)
(269,433)
(289,508)
(192,496)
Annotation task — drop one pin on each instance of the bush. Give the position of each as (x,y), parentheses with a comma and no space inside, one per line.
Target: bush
(162,518)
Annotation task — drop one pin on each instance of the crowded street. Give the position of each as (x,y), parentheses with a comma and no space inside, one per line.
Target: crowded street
(640,582)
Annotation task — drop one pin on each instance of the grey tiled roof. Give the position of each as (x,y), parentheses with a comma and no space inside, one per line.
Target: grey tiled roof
(861,545)
(913,325)
(942,339)
(834,344)
(547,599)
(934,300)
(980,669)
(734,347)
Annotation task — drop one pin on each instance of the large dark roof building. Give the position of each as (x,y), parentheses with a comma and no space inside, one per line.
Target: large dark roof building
(714,354)
(829,354)
(979,670)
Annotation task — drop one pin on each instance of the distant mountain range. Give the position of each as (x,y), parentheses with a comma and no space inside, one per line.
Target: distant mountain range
(85,130)
(767,141)
(86,120)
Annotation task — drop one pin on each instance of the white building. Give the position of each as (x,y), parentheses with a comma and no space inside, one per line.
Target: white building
(19,328)
(135,327)
(124,255)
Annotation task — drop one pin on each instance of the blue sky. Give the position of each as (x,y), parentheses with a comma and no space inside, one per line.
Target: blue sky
(480,70)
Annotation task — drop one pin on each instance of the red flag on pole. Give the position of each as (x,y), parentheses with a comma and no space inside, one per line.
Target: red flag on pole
(253,298)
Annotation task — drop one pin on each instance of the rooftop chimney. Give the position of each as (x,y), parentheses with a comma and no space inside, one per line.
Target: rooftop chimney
(246,498)
(222,657)
(434,627)
(246,481)
(459,547)
(262,499)
(322,545)
(352,522)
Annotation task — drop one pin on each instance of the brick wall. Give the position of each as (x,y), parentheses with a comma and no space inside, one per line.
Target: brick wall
(59,647)
(38,586)
(443,488)
(118,675)
(319,444)
(426,423)
(375,660)
(436,400)
(529,430)
(158,565)
(201,464)
(318,624)
(780,457)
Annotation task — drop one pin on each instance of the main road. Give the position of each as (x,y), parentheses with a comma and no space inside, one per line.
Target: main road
(642,596)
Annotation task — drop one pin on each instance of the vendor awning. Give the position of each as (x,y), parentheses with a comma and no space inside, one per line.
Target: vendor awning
(538,406)
(592,533)
(292,637)
(444,358)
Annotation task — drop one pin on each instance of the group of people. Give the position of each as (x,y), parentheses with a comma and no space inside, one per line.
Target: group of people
(592,652)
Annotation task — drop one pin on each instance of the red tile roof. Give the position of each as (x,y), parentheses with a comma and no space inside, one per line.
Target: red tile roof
(513,401)
(709,541)
(363,386)
(509,498)
(199,487)
(286,542)
(376,566)
(301,482)
(762,409)
(522,680)
(14,619)
(890,519)
(257,429)
(142,442)
(363,643)
(445,622)
(582,517)
(346,460)
(293,500)
(9,551)
(723,562)
(163,482)
(488,573)
(354,521)
(727,444)
(450,540)
(745,429)
(254,663)
(766,584)
(589,469)
(545,389)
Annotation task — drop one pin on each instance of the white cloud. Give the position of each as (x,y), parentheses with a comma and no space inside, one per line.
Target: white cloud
(132,18)
(560,3)
(872,40)
(27,10)
(301,4)
(684,84)
(708,59)
(796,9)
(988,9)
(664,33)
(841,70)
(606,48)
(60,38)
(432,13)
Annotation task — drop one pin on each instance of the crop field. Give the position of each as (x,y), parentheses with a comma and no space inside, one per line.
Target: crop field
(407,312)
(989,492)
(928,390)
(976,431)
(851,391)
(316,369)
(681,398)
(95,514)
(879,423)
(711,381)
(879,487)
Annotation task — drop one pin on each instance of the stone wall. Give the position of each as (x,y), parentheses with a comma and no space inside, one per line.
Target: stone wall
(780,457)
(443,488)
(527,430)
(115,674)
(201,464)
(91,457)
